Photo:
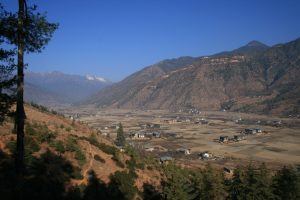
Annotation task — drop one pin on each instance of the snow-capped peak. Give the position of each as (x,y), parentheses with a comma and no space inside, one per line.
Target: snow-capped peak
(95,78)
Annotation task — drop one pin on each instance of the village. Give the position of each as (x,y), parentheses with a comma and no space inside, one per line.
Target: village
(196,137)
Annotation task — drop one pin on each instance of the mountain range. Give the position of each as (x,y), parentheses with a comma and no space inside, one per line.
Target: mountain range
(253,78)
(57,88)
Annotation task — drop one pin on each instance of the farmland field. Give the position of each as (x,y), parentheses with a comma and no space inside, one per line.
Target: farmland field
(277,145)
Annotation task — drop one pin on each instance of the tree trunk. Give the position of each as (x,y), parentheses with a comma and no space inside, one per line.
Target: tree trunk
(20,113)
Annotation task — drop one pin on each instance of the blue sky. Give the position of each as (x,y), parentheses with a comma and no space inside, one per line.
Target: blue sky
(114,38)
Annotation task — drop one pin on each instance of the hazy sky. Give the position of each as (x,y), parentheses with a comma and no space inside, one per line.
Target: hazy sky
(114,38)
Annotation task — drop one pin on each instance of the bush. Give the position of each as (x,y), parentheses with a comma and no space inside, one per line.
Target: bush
(140,166)
(93,140)
(71,144)
(59,146)
(131,164)
(31,145)
(76,174)
(11,146)
(103,147)
(121,186)
(98,158)
(116,158)
(40,132)
(79,155)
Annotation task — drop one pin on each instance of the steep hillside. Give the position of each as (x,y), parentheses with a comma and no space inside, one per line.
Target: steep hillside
(123,91)
(56,88)
(84,148)
(253,78)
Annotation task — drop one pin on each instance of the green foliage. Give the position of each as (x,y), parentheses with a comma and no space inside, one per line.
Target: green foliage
(236,190)
(59,146)
(7,67)
(102,146)
(251,184)
(93,140)
(264,181)
(40,132)
(80,156)
(150,192)
(132,164)
(177,186)
(31,145)
(121,186)
(68,129)
(98,158)
(106,149)
(76,173)
(286,184)
(37,30)
(48,175)
(117,159)
(213,185)
(45,109)
(71,144)
(120,140)
(40,107)
(11,146)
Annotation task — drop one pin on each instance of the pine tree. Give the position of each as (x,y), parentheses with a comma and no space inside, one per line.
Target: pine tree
(30,32)
(122,186)
(120,140)
(264,183)
(178,186)
(213,185)
(236,189)
(286,184)
(250,184)
(197,181)
(7,67)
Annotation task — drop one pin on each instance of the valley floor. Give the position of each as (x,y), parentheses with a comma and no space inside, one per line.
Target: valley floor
(277,145)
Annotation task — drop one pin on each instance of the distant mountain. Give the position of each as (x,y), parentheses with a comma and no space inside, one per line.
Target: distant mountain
(253,78)
(252,47)
(56,88)
(123,91)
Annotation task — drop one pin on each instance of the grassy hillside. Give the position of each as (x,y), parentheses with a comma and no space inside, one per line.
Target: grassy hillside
(71,149)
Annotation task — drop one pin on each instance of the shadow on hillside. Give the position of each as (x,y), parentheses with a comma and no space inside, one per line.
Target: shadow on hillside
(45,177)
(95,189)
(150,193)
(48,177)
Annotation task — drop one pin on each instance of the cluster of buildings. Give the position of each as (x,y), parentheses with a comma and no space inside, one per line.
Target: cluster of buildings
(240,137)
(144,134)
(186,120)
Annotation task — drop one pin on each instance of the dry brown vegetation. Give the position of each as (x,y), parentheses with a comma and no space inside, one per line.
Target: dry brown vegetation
(64,128)
(276,146)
